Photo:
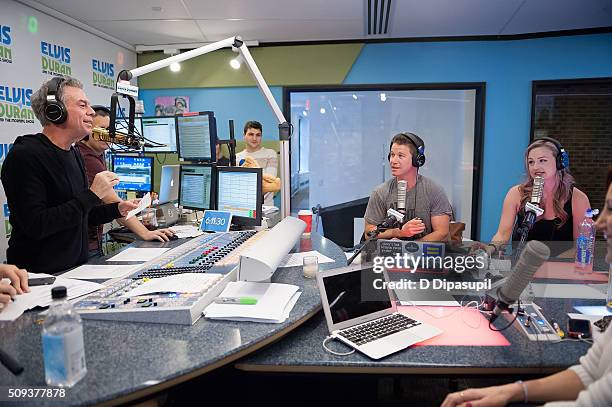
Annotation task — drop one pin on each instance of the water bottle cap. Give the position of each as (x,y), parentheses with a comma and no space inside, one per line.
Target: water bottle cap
(57,293)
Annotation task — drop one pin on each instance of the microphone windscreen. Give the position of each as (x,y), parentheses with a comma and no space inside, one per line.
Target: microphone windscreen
(534,254)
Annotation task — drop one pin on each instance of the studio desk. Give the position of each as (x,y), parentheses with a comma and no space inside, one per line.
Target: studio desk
(467,346)
(127,361)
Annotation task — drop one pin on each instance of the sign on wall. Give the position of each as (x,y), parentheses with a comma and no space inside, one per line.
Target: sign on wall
(33,48)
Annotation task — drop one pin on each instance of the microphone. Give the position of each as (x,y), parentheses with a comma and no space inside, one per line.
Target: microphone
(532,257)
(126,140)
(391,221)
(532,208)
(401,196)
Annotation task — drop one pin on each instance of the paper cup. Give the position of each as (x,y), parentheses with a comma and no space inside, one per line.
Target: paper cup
(306,216)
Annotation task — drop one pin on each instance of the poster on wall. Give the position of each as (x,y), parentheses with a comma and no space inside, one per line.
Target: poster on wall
(33,48)
(171,105)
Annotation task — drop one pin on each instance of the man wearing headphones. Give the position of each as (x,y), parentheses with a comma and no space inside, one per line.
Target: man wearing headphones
(92,152)
(46,187)
(427,206)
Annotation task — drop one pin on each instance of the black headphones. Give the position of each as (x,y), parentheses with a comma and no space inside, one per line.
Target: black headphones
(418,159)
(55,110)
(562,155)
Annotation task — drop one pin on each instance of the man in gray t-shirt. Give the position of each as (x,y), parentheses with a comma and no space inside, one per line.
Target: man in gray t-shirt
(427,206)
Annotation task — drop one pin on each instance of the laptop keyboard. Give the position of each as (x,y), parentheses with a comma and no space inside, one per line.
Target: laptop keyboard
(378,328)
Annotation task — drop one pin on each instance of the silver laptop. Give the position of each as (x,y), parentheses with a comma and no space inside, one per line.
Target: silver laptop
(365,317)
(169,185)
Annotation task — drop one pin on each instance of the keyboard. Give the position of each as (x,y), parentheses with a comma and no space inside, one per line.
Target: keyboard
(378,328)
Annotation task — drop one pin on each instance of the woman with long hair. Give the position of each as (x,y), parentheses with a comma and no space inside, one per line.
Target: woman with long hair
(564,205)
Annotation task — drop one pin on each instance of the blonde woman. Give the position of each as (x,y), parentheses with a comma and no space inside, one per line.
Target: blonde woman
(564,205)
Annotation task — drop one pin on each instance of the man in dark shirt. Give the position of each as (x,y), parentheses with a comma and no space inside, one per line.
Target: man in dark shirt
(92,152)
(46,188)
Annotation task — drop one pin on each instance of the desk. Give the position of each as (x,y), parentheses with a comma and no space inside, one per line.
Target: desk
(127,361)
(301,352)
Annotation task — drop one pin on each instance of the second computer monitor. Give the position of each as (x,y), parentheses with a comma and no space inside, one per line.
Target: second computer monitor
(197,186)
(197,136)
(239,192)
(169,185)
(159,131)
(135,173)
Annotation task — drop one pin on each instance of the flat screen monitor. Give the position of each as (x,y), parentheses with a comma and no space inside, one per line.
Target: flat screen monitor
(135,173)
(169,185)
(197,186)
(239,192)
(197,136)
(159,130)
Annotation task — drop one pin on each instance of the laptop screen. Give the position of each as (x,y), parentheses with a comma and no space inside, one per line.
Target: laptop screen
(353,294)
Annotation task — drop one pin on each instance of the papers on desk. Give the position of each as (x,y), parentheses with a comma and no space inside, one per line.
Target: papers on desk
(184,231)
(100,271)
(139,254)
(178,283)
(144,203)
(296,259)
(274,302)
(40,296)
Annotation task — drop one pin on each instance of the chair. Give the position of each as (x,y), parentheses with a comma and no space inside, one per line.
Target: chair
(338,220)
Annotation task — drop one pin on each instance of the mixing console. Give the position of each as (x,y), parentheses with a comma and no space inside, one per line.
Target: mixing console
(217,255)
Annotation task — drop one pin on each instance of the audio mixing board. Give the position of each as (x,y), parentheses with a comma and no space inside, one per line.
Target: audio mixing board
(217,255)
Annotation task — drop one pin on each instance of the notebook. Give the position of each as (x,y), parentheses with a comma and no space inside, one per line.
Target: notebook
(364,316)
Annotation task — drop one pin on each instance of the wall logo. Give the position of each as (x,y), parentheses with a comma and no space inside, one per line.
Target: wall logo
(7,224)
(15,105)
(103,74)
(6,53)
(55,59)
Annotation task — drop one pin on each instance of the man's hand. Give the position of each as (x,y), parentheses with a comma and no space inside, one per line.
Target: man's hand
(18,277)
(126,206)
(103,183)
(249,162)
(412,227)
(163,235)
(270,183)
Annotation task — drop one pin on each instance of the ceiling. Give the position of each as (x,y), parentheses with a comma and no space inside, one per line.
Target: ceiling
(158,24)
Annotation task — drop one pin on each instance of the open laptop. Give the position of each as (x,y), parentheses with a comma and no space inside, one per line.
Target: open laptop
(169,185)
(365,317)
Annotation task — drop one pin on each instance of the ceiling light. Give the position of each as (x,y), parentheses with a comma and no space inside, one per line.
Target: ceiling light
(235,63)
(175,67)
(304,113)
(354,96)
(322,110)
(383,97)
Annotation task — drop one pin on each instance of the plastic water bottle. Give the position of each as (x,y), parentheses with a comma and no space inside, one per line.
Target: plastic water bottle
(585,244)
(62,340)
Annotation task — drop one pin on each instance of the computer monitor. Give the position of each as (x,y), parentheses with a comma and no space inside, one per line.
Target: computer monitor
(159,130)
(197,136)
(135,173)
(169,185)
(239,192)
(338,220)
(197,186)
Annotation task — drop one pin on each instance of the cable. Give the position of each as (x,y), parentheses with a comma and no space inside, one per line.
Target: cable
(511,322)
(334,352)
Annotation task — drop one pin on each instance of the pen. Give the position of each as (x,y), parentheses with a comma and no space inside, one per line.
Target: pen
(236,300)
(10,363)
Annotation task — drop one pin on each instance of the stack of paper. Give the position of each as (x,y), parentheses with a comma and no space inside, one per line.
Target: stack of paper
(100,271)
(184,231)
(274,302)
(40,296)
